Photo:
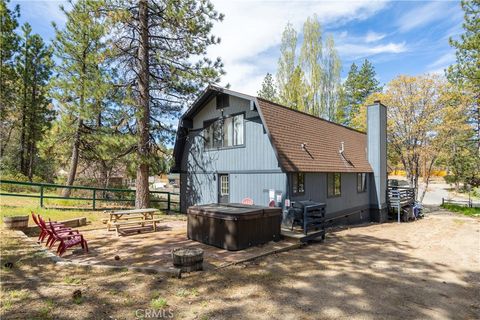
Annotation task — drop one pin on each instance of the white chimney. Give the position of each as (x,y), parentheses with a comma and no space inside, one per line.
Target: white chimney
(377,157)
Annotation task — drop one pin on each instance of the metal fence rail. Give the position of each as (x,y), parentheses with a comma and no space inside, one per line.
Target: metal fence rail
(97,194)
(466,203)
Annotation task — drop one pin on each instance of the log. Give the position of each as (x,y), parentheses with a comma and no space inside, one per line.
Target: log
(188,259)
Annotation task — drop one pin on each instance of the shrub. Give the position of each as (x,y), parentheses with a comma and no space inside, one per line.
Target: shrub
(450,178)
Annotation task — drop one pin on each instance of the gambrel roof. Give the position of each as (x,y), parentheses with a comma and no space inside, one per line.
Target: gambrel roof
(302,142)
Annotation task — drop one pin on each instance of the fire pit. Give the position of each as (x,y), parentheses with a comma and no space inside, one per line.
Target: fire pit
(234,226)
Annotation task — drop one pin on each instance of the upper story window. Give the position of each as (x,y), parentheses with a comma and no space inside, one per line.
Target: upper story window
(334,184)
(298,183)
(225,132)
(361,182)
(223,101)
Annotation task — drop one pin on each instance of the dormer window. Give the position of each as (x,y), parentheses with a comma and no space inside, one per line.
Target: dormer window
(225,132)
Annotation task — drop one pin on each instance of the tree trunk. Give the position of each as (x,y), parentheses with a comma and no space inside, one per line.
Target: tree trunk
(74,160)
(142,195)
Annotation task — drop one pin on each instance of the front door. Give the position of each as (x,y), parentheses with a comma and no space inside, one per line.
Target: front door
(223,188)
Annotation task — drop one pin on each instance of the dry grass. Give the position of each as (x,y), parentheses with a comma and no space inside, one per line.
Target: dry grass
(425,270)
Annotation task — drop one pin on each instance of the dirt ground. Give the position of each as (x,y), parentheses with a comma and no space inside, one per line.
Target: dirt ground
(153,249)
(429,269)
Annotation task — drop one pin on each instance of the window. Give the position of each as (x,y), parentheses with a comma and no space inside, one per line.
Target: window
(361,182)
(226,132)
(224,186)
(223,101)
(298,183)
(334,184)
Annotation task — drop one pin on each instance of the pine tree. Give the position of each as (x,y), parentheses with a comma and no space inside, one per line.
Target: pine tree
(33,66)
(286,64)
(311,62)
(161,48)
(466,71)
(268,90)
(359,85)
(81,82)
(9,41)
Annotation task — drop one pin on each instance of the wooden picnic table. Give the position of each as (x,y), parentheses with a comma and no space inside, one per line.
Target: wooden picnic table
(140,216)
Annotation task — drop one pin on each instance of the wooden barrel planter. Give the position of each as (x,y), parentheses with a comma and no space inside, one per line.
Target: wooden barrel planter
(188,259)
(16,222)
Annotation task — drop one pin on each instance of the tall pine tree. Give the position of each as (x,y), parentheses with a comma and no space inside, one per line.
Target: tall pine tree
(33,66)
(81,81)
(466,71)
(268,90)
(359,85)
(9,41)
(161,47)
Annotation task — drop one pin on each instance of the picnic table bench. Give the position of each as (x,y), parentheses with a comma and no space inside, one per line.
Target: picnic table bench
(140,217)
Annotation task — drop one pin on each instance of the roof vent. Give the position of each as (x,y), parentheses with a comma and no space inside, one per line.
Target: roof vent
(342,147)
(304,146)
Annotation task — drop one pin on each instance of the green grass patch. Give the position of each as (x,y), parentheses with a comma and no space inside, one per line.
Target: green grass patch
(471,212)
(158,303)
(71,280)
(15,206)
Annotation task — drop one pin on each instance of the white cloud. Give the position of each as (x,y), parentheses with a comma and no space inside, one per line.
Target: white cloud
(360,50)
(423,15)
(443,61)
(251,28)
(374,37)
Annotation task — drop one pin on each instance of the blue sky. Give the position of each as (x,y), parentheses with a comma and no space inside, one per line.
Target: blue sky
(398,37)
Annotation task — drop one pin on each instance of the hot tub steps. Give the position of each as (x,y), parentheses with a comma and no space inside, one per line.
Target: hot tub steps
(300,236)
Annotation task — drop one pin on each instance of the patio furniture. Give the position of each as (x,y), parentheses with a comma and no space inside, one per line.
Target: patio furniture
(247,201)
(67,240)
(43,228)
(58,228)
(309,215)
(141,217)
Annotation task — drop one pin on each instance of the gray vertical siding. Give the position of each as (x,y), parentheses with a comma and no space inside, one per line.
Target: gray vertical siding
(253,168)
(316,190)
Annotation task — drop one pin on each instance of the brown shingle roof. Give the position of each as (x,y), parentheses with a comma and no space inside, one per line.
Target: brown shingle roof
(289,129)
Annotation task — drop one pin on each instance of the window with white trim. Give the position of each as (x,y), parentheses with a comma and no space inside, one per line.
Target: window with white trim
(224,185)
(225,132)
(334,184)
(361,182)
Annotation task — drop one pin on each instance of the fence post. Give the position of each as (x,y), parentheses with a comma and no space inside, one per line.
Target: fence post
(41,196)
(168,203)
(443,201)
(94,196)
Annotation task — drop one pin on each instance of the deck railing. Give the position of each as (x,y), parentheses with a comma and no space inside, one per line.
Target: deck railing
(94,195)
(400,195)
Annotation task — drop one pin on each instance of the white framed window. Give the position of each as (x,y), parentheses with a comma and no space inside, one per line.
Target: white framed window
(334,184)
(298,183)
(361,182)
(224,185)
(226,132)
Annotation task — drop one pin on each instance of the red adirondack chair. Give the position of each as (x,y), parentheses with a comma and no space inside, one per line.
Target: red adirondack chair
(43,231)
(68,240)
(59,228)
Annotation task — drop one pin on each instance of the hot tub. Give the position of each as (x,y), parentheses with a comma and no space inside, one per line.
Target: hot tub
(233,226)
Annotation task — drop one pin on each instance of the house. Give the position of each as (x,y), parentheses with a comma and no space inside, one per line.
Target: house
(230,146)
